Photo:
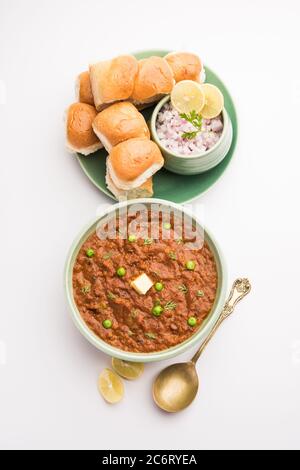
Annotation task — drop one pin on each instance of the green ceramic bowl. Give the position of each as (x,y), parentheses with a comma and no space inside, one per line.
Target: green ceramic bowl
(198,337)
(198,163)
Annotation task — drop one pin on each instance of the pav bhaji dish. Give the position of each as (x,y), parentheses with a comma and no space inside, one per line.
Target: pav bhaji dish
(107,114)
(148,287)
(142,294)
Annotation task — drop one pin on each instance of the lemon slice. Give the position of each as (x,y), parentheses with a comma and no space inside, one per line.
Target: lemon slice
(128,370)
(214,101)
(187,96)
(110,386)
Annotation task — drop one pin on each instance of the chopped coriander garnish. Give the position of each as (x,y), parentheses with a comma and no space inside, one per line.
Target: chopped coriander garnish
(107,255)
(179,240)
(196,120)
(183,289)
(111,296)
(85,289)
(189,135)
(133,313)
(200,293)
(170,305)
(172,255)
(148,241)
(150,335)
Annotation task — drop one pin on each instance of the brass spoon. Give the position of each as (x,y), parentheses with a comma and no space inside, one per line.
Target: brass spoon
(176,386)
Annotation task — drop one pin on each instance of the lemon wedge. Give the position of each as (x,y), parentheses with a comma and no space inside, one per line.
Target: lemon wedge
(188,96)
(214,101)
(110,386)
(128,370)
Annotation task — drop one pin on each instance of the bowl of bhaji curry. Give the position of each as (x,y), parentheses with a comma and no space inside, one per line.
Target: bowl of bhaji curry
(145,281)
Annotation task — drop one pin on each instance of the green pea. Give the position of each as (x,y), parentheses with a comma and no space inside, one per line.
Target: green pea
(121,272)
(167,226)
(90,252)
(190,265)
(159,286)
(157,310)
(107,324)
(132,238)
(192,321)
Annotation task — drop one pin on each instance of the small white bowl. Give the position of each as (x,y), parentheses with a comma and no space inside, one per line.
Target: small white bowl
(196,163)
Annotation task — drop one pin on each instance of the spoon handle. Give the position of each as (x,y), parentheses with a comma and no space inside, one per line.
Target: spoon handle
(240,288)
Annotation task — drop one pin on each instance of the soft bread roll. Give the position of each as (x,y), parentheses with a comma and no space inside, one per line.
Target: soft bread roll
(119,122)
(154,80)
(145,190)
(83,89)
(185,66)
(113,80)
(80,136)
(133,161)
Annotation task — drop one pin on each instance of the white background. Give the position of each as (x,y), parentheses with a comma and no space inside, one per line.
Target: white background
(250,374)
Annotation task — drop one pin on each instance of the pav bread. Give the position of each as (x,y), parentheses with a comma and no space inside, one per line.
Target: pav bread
(119,122)
(132,162)
(80,136)
(145,190)
(113,80)
(83,89)
(154,80)
(185,66)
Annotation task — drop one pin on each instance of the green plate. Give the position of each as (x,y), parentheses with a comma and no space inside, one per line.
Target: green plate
(167,185)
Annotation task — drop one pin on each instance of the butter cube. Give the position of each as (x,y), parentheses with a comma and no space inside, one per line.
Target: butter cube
(142,284)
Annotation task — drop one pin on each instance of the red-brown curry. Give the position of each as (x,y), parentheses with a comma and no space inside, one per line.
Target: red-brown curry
(173,309)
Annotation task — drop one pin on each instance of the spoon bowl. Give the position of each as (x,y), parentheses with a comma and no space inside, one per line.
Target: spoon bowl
(176,387)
